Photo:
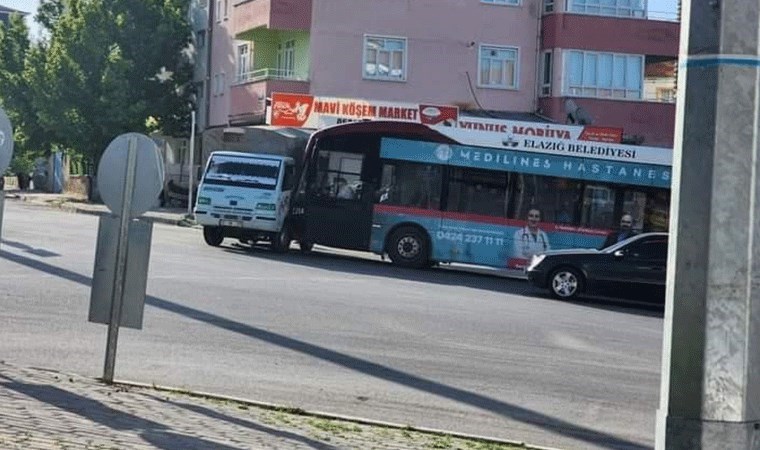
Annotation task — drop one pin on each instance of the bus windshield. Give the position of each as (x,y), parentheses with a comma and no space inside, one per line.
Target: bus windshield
(243,172)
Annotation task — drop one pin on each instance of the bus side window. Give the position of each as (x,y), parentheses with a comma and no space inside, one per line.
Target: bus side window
(289,178)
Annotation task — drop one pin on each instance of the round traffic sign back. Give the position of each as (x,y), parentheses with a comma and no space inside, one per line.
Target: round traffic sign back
(6,141)
(149,173)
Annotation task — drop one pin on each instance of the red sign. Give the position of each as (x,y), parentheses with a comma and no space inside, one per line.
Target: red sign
(602,134)
(291,110)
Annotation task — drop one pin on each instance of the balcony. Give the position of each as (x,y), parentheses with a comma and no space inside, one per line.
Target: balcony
(294,15)
(601,33)
(270,74)
(248,95)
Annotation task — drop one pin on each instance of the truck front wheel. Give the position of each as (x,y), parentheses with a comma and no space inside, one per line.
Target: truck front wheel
(213,236)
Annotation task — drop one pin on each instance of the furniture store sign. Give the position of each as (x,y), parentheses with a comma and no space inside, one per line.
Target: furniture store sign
(308,111)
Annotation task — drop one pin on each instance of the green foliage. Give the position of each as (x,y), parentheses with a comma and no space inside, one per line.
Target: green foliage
(94,75)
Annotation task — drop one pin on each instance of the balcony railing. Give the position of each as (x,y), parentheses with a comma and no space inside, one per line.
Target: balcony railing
(270,74)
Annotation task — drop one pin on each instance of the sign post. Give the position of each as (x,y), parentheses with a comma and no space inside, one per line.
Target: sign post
(190,165)
(6,153)
(121,261)
(130,178)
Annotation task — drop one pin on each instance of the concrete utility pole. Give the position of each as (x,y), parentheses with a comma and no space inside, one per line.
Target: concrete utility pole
(710,396)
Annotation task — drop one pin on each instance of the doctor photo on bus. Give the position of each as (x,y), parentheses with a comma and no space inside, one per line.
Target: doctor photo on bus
(530,240)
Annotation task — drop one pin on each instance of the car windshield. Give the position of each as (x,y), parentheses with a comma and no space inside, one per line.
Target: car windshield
(244,172)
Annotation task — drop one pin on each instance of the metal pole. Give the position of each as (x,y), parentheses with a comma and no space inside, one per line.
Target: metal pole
(710,384)
(191,175)
(121,262)
(2,211)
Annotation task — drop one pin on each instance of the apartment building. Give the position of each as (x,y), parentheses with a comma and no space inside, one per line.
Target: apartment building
(614,59)
(603,61)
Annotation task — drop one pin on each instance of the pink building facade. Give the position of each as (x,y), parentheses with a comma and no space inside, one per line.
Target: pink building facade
(615,64)
(526,56)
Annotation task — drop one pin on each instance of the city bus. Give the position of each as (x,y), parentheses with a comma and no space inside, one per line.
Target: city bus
(423,195)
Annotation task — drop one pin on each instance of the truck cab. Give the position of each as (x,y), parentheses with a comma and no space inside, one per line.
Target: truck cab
(246,196)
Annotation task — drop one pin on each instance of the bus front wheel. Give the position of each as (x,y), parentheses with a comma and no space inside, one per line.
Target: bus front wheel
(213,236)
(408,247)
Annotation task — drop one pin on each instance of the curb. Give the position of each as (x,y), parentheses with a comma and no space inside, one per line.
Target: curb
(324,415)
(73,208)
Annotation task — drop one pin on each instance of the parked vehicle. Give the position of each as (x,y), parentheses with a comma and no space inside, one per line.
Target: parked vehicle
(638,262)
(425,195)
(246,196)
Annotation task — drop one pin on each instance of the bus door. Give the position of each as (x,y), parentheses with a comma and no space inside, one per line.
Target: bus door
(338,212)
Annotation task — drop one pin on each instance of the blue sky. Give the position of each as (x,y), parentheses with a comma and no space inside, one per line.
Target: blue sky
(657,8)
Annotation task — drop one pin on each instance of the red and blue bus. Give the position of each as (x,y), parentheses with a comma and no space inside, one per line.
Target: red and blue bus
(424,195)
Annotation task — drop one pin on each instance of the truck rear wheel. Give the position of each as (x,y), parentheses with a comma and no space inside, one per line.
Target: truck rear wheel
(281,241)
(213,236)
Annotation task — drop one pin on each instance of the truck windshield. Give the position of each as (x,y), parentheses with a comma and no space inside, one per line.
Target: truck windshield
(243,172)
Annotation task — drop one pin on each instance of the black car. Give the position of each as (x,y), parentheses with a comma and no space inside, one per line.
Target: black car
(638,262)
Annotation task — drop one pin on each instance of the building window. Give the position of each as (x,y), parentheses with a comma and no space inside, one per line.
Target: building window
(385,58)
(498,67)
(616,8)
(286,59)
(218,10)
(200,39)
(243,61)
(548,6)
(502,2)
(226,8)
(604,75)
(219,83)
(546,73)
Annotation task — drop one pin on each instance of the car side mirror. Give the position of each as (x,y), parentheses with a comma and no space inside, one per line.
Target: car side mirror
(619,254)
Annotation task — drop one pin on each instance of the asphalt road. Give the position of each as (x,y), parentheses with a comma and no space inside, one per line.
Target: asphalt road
(329,332)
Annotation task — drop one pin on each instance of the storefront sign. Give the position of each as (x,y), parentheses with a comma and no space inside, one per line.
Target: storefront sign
(307,111)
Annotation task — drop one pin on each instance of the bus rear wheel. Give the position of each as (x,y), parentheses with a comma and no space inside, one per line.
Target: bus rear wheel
(213,236)
(408,247)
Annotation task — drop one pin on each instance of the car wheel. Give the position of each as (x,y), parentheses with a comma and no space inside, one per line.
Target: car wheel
(566,283)
(281,241)
(213,236)
(305,246)
(408,247)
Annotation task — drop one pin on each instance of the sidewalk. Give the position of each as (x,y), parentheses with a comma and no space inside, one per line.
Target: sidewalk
(72,203)
(44,409)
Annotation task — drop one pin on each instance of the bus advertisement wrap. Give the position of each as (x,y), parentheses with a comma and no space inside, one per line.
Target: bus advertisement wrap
(525,162)
(483,240)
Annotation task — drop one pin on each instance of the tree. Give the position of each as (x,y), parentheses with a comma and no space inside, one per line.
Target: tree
(108,67)
(15,95)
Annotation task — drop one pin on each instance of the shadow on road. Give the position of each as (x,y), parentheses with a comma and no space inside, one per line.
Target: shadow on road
(369,368)
(41,252)
(445,275)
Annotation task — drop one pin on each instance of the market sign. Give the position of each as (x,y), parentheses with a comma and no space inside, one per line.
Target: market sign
(308,111)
